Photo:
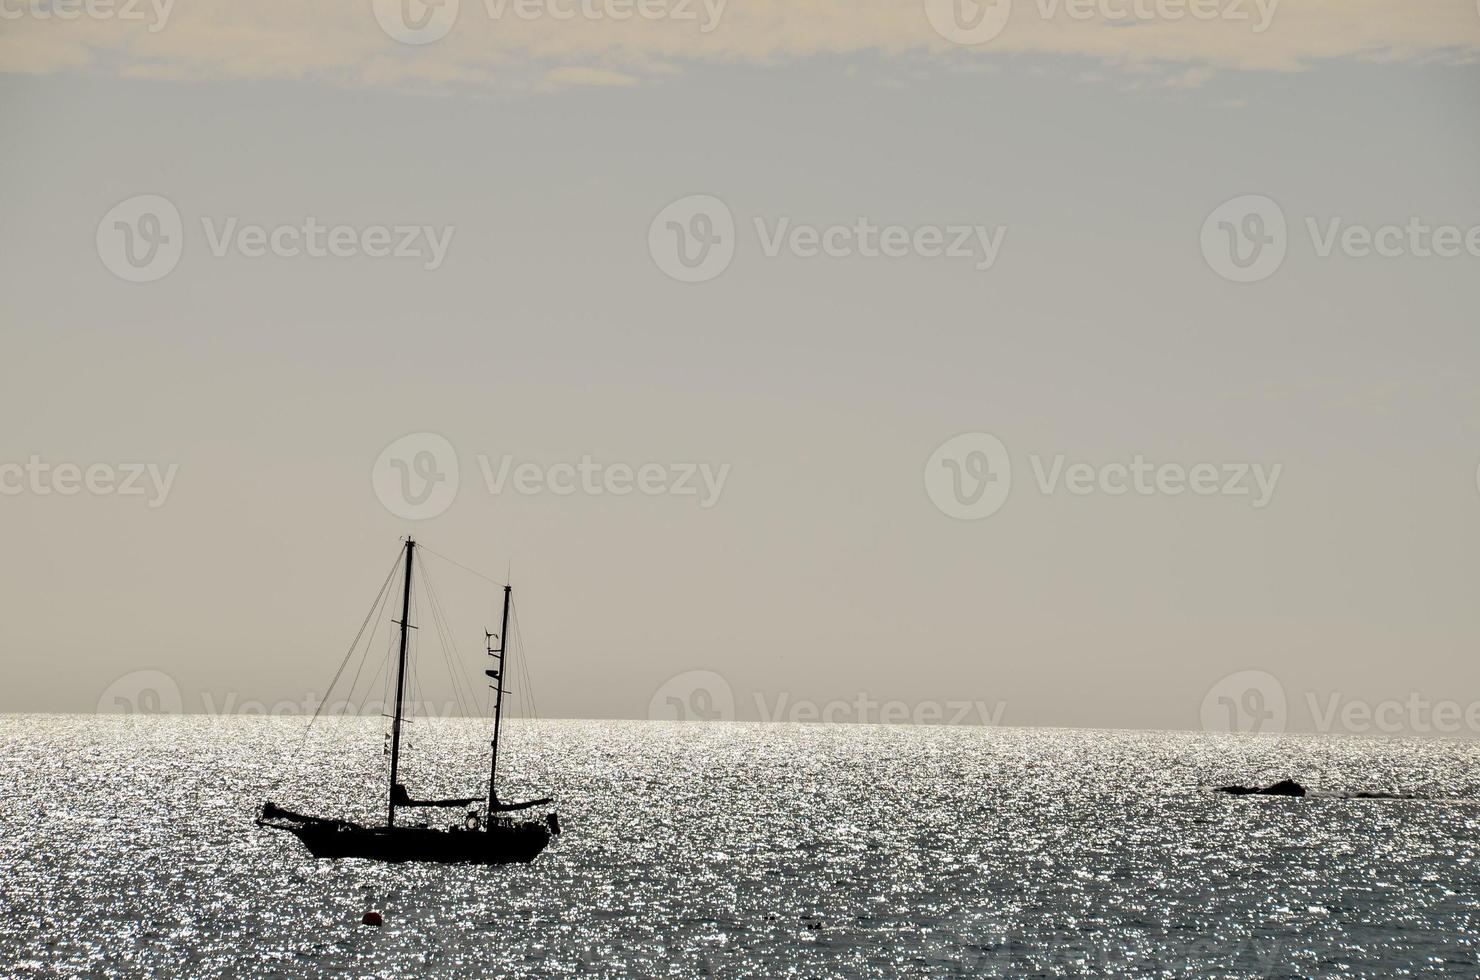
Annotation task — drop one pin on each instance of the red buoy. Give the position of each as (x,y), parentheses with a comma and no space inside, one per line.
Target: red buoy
(372,919)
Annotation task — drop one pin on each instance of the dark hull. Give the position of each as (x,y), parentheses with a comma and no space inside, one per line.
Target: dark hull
(500,844)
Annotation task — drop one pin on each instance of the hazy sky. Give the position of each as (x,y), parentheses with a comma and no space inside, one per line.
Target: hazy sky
(532,169)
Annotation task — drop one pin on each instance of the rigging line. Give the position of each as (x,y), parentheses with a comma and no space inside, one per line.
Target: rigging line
(443,642)
(524,666)
(521,672)
(342,664)
(450,653)
(457,667)
(515,659)
(413,656)
(534,708)
(459,564)
(440,629)
(488,694)
(383,660)
(356,643)
(385,698)
(409,738)
(369,643)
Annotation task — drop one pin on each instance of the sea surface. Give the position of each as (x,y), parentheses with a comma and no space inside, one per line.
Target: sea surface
(127,848)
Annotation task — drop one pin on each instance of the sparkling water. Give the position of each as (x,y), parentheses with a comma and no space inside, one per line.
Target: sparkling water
(693,849)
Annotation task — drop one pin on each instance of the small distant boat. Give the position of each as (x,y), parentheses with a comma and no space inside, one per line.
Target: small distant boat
(494,837)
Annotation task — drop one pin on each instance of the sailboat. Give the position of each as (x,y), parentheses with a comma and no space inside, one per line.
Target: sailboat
(497,836)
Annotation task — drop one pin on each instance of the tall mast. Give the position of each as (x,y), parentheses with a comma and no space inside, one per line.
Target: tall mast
(400,681)
(498,703)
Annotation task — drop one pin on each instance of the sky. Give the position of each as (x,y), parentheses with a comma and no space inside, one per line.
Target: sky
(1068,364)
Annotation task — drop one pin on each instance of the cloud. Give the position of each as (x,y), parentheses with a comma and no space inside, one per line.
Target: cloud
(555,43)
(587,76)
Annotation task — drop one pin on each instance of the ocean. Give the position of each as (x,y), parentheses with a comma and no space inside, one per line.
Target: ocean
(734,850)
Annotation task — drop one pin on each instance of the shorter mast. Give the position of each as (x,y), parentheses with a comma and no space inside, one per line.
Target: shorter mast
(498,702)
